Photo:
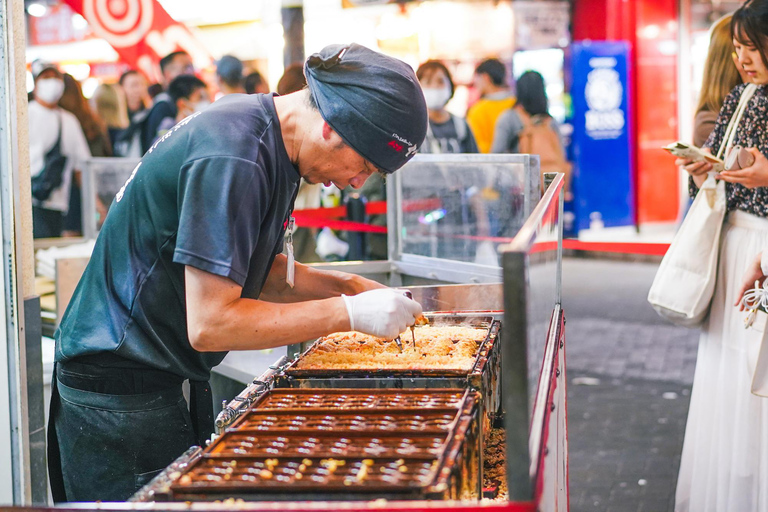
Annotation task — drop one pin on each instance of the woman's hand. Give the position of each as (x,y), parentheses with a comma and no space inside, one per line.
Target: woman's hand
(756,175)
(753,273)
(698,170)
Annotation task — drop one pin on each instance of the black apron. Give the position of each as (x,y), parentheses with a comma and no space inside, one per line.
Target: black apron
(111,430)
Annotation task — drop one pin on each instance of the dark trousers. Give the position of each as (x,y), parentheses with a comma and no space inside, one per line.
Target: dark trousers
(105,446)
(46,223)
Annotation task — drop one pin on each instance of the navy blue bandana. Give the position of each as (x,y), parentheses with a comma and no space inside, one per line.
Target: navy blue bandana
(374,102)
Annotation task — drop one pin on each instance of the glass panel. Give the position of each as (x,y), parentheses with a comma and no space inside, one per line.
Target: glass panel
(102,180)
(462,207)
(543,291)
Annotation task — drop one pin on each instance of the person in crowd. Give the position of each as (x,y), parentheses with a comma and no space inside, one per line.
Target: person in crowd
(154,90)
(529,128)
(724,463)
(171,66)
(190,95)
(109,103)
(256,84)
(134,87)
(292,80)
(50,127)
(98,142)
(446,133)
(229,75)
(187,266)
(491,82)
(721,75)
(175,64)
(93,127)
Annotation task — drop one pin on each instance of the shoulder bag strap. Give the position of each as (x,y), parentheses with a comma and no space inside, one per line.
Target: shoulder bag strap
(730,132)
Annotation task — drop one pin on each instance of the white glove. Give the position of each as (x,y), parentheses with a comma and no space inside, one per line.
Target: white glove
(384,312)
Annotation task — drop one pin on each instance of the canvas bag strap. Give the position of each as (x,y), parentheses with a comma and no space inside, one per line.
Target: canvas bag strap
(730,132)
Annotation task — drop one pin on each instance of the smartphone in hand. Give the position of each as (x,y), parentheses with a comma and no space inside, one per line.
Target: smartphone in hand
(691,152)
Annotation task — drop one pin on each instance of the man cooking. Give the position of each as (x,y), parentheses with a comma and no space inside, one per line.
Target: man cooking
(188,265)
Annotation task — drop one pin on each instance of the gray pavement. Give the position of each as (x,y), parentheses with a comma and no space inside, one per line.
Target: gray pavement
(630,376)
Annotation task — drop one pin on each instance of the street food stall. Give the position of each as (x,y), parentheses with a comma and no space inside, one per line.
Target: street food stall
(466,410)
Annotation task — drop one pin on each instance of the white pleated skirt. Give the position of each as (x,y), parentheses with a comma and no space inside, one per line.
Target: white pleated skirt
(724,465)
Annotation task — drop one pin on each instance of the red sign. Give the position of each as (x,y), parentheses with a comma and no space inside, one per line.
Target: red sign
(140,31)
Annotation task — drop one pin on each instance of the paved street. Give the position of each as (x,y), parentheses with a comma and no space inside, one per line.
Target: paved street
(630,377)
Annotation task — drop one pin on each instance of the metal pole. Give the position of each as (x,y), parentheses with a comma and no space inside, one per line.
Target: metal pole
(16,275)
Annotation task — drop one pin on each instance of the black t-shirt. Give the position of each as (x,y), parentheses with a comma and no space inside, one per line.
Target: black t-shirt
(163,107)
(215,192)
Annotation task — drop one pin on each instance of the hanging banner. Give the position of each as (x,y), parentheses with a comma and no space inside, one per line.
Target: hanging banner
(140,31)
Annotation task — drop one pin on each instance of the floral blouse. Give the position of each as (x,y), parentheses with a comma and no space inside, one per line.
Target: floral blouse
(752,132)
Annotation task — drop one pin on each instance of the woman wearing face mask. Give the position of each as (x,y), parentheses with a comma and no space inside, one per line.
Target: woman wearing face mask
(190,94)
(50,125)
(447,133)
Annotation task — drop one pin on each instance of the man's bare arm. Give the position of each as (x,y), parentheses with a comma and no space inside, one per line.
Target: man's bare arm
(218,319)
(311,283)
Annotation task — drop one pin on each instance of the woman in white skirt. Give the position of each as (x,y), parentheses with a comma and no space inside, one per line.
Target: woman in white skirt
(724,466)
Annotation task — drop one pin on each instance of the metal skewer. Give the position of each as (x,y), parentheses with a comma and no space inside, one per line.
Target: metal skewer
(413,334)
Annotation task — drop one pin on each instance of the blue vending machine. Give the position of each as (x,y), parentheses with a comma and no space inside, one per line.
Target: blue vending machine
(602,183)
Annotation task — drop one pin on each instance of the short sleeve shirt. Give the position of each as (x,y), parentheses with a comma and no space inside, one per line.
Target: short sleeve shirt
(45,123)
(215,192)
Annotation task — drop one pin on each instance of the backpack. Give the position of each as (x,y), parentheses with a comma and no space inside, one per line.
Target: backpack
(538,137)
(52,174)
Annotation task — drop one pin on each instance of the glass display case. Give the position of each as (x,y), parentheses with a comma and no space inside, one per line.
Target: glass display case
(466,233)
(102,180)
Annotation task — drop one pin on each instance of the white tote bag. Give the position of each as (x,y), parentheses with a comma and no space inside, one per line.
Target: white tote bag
(685,282)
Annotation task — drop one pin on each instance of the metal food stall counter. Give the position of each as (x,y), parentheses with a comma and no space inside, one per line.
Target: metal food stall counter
(358,451)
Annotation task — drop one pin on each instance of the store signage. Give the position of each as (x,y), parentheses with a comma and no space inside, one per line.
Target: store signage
(56,27)
(604,92)
(540,25)
(603,180)
(140,31)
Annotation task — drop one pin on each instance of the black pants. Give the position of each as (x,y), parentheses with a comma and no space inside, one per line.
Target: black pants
(107,446)
(46,223)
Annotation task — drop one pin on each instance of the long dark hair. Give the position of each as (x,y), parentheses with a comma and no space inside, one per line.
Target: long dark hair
(750,24)
(73,101)
(531,94)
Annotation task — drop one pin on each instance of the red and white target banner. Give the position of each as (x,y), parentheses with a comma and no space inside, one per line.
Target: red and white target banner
(140,31)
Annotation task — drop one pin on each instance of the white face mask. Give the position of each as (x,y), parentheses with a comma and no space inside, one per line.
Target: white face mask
(436,98)
(49,90)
